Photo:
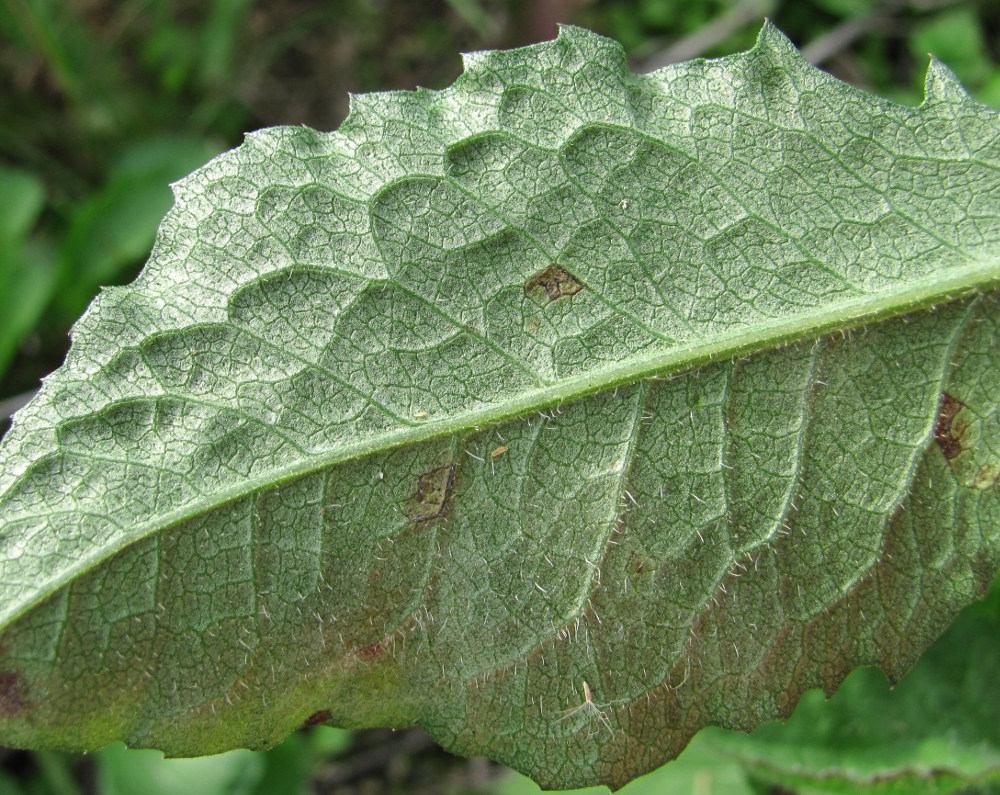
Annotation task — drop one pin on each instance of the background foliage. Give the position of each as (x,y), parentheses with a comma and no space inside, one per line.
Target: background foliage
(104,102)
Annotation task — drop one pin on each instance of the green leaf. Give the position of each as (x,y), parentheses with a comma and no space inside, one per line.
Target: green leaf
(22,196)
(956,38)
(26,266)
(113,230)
(563,412)
(938,731)
(700,769)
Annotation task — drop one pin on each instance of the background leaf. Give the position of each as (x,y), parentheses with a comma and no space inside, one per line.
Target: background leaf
(411,432)
(26,265)
(148,773)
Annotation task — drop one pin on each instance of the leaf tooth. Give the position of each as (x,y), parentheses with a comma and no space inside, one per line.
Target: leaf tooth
(472,62)
(593,45)
(776,46)
(941,86)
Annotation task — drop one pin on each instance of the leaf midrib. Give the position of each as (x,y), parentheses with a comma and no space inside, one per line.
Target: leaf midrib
(845,315)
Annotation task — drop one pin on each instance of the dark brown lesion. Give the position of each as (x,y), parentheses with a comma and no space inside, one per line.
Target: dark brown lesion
(430,501)
(554,282)
(318,717)
(946,434)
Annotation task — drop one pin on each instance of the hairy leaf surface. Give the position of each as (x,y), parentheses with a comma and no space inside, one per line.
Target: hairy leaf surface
(931,734)
(564,412)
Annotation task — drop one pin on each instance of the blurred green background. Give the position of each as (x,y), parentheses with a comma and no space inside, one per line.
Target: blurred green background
(104,102)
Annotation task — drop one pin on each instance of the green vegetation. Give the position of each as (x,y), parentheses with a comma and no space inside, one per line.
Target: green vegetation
(559,319)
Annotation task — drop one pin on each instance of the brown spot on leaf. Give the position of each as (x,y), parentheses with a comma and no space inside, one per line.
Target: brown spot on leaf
(430,501)
(554,282)
(371,651)
(944,433)
(321,716)
(637,564)
(12,694)
(986,477)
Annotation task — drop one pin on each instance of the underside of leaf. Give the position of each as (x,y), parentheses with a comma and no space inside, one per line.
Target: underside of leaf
(563,412)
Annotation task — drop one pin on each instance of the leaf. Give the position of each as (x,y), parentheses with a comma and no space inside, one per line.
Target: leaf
(507,410)
(113,229)
(700,769)
(932,733)
(26,268)
(23,196)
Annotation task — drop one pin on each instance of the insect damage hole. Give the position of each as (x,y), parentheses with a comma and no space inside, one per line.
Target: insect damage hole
(552,283)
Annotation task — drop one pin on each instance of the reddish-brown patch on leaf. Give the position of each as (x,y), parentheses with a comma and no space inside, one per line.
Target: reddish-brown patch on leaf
(371,651)
(430,500)
(318,717)
(12,694)
(947,436)
(554,282)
